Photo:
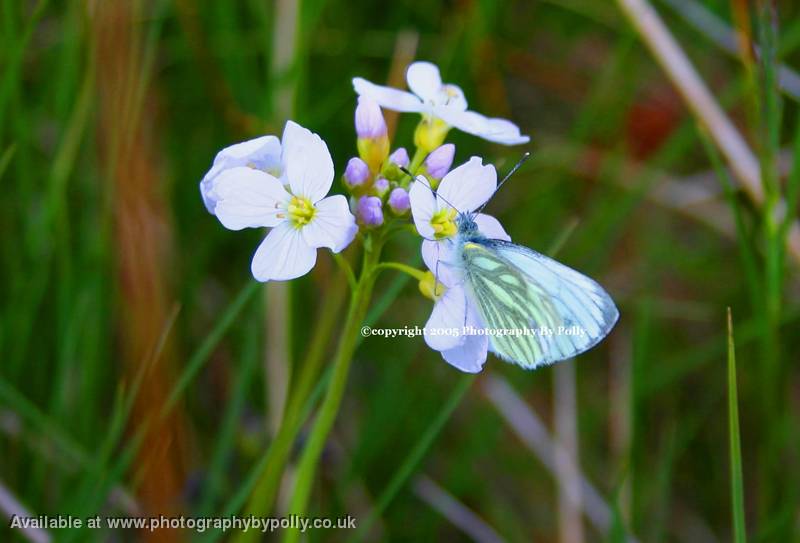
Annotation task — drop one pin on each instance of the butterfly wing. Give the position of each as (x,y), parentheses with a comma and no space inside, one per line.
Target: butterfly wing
(516,288)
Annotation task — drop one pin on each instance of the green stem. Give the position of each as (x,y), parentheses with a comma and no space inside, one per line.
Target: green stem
(309,373)
(772,371)
(359,303)
(346,268)
(419,275)
(416,161)
(263,497)
(266,489)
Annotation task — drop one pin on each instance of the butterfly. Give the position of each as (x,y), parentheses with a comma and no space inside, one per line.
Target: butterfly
(516,289)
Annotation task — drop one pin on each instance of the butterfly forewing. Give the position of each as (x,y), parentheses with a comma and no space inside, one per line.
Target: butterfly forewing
(517,289)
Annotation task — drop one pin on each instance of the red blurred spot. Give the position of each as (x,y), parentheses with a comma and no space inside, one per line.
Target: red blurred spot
(651,120)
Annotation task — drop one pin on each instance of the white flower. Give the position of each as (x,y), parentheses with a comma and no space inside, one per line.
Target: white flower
(442,101)
(452,312)
(467,187)
(251,185)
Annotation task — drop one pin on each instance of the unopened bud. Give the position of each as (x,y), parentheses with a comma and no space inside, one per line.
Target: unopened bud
(438,163)
(399,202)
(356,172)
(400,157)
(369,211)
(369,119)
(381,186)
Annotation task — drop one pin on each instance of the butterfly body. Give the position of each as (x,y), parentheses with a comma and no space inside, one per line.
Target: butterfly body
(535,310)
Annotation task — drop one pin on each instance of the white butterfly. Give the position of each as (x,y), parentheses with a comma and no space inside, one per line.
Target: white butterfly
(515,289)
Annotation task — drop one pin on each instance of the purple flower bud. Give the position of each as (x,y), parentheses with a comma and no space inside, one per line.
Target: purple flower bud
(381,186)
(400,157)
(369,119)
(398,201)
(369,211)
(356,172)
(439,161)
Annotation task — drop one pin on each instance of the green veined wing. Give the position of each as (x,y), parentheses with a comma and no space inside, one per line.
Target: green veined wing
(515,288)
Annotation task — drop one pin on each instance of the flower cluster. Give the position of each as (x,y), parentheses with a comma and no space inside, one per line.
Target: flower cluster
(378,181)
(282,184)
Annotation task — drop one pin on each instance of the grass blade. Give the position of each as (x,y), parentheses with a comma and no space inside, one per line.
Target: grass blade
(207,347)
(735,451)
(405,471)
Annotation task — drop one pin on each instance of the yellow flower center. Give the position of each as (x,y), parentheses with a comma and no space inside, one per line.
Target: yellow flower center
(301,211)
(431,288)
(443,223)
(451,92)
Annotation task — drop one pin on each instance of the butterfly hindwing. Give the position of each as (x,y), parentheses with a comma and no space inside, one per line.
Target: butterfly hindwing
(516,288)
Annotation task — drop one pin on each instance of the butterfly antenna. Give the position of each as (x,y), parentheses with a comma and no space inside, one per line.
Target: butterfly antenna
(424,181)
(511,172)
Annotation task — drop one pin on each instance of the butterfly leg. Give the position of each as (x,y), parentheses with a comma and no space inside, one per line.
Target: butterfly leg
(466,309)
(436,272)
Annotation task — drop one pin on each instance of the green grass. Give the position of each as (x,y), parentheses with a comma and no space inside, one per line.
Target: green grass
(735,448)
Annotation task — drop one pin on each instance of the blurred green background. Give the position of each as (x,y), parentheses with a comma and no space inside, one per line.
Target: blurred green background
(123,299)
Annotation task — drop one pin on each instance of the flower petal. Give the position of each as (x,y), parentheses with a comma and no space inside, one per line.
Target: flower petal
(206,189)
(467,121)
(467,187)
(262,153)
(333,226)
(491,227)
(283,255)
(424,80)
(491,129)
(423,206)
(452,97)
(449,315)
(438,257)
(308,163)
(470,356)
(247,198)
(388,97)
(503,131)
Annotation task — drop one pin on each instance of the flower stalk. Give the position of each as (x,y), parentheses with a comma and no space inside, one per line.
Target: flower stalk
(416,162)
(359,303)
(263,497)
(417,274)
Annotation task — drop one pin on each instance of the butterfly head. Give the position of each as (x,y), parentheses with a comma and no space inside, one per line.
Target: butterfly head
(467,227)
